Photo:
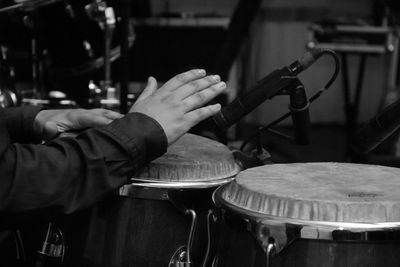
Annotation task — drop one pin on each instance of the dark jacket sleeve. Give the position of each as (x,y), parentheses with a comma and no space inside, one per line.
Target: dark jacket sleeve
(69,174)
(18,122)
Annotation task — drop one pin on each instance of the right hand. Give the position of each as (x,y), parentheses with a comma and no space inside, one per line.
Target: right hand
(178,105)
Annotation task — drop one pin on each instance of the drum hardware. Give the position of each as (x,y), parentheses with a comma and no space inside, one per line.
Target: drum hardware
(182,257)
(53,247)
(210,215)
(144,192)
(7,97)
(257,157)
(178,259)
(37,69)
(19,246)
(37,54)
(270,252)
(105,17)
(130,189)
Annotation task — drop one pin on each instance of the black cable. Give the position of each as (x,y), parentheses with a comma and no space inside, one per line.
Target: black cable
(311,99)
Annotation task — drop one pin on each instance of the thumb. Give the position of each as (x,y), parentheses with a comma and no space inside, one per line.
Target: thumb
(50,130)
(150,88)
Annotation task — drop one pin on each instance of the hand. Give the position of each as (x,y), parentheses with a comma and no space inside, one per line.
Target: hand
(178,105)
(49,123)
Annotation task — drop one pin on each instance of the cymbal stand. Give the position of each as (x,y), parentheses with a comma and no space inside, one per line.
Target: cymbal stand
(7,96)
(105,17)
(38,89)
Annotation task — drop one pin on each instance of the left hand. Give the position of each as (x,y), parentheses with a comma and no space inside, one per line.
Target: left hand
(49,123)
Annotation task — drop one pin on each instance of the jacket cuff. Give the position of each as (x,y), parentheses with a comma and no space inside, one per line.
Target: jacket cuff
(142,135)
(19,121)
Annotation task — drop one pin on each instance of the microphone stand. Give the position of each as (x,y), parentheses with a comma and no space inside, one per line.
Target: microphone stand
(299,103)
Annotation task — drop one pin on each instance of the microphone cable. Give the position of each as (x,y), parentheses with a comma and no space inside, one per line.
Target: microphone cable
(311,99)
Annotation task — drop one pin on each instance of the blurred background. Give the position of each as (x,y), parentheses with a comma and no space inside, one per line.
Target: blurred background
(63,53)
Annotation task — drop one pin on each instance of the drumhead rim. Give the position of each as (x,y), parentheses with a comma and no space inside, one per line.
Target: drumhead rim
(138,182)
(258,216)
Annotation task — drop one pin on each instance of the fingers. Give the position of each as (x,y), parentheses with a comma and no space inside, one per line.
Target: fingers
(50,130)
(82,119)
(200,98)
(183,78)
(112,115)
(196,116)
(97,121)
(101,121)
(195,86)
(150,88)
(109,114)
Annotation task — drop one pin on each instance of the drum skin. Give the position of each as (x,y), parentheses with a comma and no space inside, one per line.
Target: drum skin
(140,231)
(335,190)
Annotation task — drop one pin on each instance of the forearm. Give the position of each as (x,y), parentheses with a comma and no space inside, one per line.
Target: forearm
(69,174)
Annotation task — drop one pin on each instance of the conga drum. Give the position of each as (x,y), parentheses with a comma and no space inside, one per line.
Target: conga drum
(310,214)
(162,218)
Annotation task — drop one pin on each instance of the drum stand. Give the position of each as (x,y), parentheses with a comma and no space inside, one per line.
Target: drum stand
(105,17)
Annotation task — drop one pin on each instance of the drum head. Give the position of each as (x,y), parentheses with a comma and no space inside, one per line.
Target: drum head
(192,158)
(334,192)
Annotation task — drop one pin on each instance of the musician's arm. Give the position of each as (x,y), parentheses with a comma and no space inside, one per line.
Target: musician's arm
(68,174)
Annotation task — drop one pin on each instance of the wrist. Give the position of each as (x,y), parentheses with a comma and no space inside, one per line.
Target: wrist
(38,124)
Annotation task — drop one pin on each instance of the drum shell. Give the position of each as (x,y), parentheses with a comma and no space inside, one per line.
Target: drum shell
(149,220)
(128,231)
(239,247)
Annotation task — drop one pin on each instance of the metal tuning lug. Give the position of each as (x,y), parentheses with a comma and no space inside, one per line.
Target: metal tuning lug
(179,259)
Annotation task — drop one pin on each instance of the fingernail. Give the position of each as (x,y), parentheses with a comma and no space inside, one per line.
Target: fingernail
(217,106)
(221,85)
(201,71)
(216,78)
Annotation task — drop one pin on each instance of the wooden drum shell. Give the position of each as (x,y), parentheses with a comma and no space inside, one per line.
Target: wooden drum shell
(242,200)
(145,229)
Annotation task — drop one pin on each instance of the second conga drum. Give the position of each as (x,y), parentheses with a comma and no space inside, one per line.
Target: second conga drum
(311,214)
(163,217)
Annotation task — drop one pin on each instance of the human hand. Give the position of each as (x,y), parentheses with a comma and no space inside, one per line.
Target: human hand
(178,105)
(49,123)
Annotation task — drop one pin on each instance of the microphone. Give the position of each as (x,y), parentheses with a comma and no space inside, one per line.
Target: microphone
(265,89)
(377,129)
(299,105)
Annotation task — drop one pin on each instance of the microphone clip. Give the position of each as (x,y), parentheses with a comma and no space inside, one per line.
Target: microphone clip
(299,109)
